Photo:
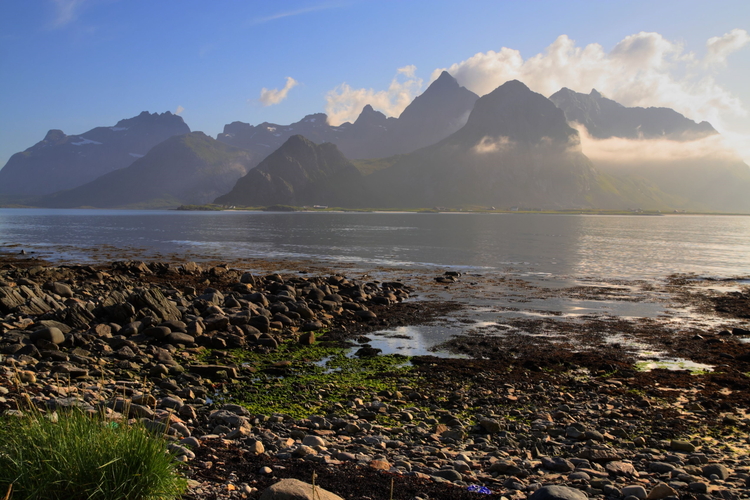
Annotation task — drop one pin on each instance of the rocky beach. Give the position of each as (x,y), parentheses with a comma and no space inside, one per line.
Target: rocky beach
(260,376)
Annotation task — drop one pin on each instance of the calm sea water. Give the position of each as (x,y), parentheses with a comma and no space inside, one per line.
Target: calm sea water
(630,247)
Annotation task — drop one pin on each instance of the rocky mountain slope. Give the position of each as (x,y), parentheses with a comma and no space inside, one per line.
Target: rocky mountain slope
(711,178)
(299,173)
(186,169)
(62,161)
(605,118)
(516,149)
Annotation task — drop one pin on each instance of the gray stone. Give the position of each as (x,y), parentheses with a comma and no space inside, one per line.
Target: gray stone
(557,493)
(256,447)
(579,475)
(698,487)
(157,332)
(718,469)
(176,338)
(557,464)
(294,489)
(490,425)
(621,468)
(172,402)
(660,467)
(681,445)
(661,491)
(311,440)
(635,490)
(62,290)
(191,441)
(449,474)
(50,334)
(155,300)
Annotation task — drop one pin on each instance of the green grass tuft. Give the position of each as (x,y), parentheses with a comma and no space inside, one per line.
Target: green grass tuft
(79,456)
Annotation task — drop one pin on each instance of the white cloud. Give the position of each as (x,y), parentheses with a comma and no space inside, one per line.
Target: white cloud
(66,11)
(179,110)
(269,97)
(719,47)
(621,151)
(493,145)
(344,103)
(644,69)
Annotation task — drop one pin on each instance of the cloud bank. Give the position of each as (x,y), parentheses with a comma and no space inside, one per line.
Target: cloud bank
(622,152)
(269,97)
(644,69)
(344,103)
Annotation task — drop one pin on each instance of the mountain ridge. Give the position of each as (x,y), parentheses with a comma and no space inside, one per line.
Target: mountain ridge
(61,161)
(191,168)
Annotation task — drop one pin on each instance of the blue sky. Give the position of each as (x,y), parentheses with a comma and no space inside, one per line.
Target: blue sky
(77,64)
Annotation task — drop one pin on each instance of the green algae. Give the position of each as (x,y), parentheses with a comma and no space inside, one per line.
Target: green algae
(298,381)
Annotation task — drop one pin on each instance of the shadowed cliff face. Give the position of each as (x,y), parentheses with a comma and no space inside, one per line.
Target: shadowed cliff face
(300,172)
(187,169)
(63,162)
(604,118)
(661,148)
(516,149)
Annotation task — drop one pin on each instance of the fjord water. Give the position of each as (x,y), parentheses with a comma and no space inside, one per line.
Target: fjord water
(607,247)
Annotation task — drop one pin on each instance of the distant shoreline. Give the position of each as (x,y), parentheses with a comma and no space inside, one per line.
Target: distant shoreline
(292,209)
(286,208)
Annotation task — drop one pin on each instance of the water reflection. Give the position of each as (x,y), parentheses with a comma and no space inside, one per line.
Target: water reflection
(559,245)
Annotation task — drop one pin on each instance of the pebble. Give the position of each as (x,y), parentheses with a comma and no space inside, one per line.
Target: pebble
(581,439)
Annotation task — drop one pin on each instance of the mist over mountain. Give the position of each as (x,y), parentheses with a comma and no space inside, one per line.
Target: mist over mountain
(62,161)
(605,118)
(448,148)
(516,149)
(299,173)
(441,110)
(186,169)
(661,148)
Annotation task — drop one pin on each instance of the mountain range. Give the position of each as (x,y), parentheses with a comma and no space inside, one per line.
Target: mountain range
(448,148)
(62,161)
(441,110)
(190,168)
(605,118)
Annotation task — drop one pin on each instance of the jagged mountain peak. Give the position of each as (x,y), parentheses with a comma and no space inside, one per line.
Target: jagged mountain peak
(371,117)
(296,173)
(54,136)
(63,161)
(604,117)
(444,81)
(516,112)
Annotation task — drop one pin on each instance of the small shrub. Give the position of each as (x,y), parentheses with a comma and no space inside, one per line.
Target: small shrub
(79,456)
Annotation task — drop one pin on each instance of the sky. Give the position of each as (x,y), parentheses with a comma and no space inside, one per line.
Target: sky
(78,64)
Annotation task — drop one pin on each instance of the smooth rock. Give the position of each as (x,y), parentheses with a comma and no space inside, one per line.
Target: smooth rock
(661,491)
(50,334)
(635,490)
(718,469)
(555,492)
(294,489)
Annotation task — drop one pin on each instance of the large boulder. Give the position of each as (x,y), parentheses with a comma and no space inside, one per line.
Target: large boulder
(294,489)
(557,493)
